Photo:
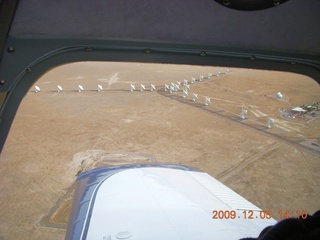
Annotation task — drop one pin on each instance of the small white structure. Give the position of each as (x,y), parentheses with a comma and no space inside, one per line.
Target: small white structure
(132,88)
(142,88)
(207,101)
(244,114)
(100,88)
(37,89)
(187,87)
(193,80)
(176,87)
(209,75)
(171,89)
(184,93)
(218,74)
(279,95)
(194,97)
(227,71)
(201,78)
(270,122)
(178,83)
(59,88)
(152,88)
(80,88)
(298,110)
(166,88)
(185,82)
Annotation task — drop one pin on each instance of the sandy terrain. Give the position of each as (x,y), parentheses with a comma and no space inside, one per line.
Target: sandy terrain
(54,133)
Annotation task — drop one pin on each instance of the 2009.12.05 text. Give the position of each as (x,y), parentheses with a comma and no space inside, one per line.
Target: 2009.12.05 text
(262,214)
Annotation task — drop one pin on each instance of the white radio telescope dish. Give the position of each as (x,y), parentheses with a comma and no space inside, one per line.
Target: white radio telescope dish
(143,87)
(185,82)
(194,97)
(270,122)
(132,88)
(244,114)
(80,88)
(37,89)
(59,88)
(207,101)
(185,93)
(279,95)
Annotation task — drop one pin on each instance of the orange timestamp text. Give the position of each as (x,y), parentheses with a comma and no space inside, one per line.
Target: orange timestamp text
(262,214)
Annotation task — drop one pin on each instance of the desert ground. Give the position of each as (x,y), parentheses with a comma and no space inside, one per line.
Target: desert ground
(55,136)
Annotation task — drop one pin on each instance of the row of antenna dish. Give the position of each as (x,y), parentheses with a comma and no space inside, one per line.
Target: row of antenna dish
(185,87)
(175,87)
(142,87)
(60,89)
